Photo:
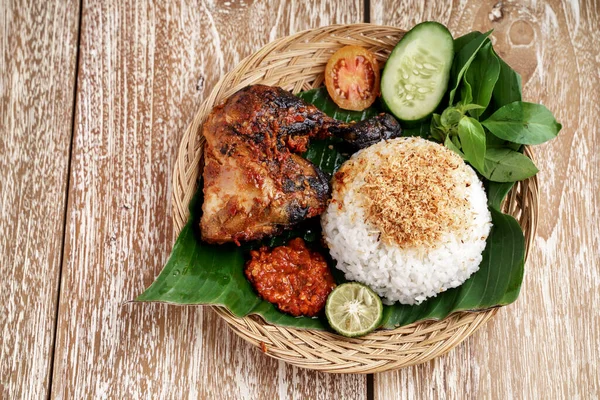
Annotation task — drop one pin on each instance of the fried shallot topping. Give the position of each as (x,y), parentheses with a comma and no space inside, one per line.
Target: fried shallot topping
(413,198)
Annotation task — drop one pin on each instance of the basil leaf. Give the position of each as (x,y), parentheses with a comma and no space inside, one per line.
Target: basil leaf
(508,89)
(466,93)
(467,107)
(472,139)
(494,141)
(456,141)
(463,60)
(448,143)
(460,42)
(496,192)
(435,128)
(482,76)
(506,165)
(450,117)
(524,123)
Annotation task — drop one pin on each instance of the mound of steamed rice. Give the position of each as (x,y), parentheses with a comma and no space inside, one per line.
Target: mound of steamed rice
(408,218)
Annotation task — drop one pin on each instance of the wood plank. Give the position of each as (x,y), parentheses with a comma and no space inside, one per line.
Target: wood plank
(37,78)
(145,68)
(545,345)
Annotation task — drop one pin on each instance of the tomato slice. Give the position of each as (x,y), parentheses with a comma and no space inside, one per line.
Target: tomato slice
(352,78)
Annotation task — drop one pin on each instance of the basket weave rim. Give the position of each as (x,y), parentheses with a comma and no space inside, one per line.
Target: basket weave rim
(381,350)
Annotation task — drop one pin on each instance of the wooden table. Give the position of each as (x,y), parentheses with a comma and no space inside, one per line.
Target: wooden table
(94,98)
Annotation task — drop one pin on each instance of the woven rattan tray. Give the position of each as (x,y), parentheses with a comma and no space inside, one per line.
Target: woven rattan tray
(297,63)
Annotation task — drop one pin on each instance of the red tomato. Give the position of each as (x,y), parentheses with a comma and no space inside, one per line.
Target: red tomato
(352,78)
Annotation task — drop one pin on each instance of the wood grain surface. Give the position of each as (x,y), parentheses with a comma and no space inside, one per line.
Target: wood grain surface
(547,344)
(38,46)
(144,69)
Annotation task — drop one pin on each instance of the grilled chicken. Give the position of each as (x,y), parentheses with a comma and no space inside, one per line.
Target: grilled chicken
(255,183)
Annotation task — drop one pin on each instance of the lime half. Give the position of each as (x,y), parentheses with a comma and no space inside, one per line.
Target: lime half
(353,309)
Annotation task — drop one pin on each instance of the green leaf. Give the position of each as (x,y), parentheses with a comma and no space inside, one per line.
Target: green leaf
(496,192)
(524,123)
(456,141)
(199,273)
(468,107)
(435,128)
(326,155)
(463,60)
(450,117)
(472,139)
(184,279)
(449,144)
(497,282)
(506,165)
(466,93)
(482,76)
(508,88)
(495,141)
(461,41)
(420,129)
(320,99)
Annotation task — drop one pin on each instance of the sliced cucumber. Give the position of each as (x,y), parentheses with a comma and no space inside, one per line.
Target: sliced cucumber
(415,76)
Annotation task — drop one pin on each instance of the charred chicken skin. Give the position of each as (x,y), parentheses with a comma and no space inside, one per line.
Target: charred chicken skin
(255,183)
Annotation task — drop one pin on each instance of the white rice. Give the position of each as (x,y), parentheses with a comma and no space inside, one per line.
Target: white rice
(413,274)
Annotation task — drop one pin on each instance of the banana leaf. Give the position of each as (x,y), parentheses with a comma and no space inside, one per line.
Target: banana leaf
(199,273)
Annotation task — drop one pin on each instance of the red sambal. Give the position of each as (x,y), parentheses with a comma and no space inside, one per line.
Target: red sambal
(294,278)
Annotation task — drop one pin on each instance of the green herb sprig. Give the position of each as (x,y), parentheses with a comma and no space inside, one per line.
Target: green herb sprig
(486,121)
